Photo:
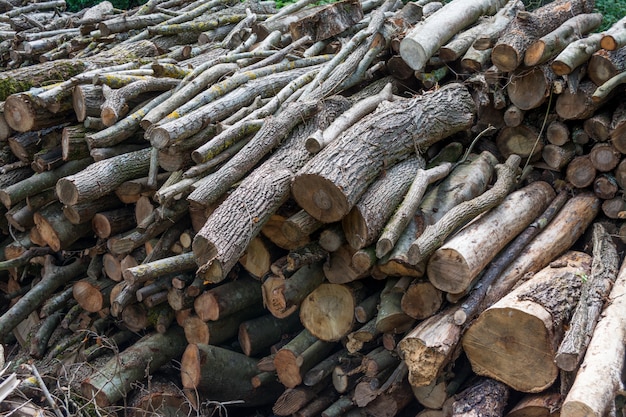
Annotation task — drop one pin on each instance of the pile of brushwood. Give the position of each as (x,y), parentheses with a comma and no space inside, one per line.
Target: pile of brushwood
(364,208)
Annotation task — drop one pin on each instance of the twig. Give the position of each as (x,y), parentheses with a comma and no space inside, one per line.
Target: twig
(46,393)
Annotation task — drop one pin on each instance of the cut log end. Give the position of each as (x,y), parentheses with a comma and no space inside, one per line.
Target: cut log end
(413,54)
(67,191)
(109,116)
(159,137)
(19,114)
(505,57)
(448,271)
(418,358)
(328,312)
(190,367)
(320,198)
(355,229)
(517,356)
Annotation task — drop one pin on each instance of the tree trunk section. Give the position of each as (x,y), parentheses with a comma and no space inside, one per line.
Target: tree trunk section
(515,340)
(327,186)
(599,378)
(428,36)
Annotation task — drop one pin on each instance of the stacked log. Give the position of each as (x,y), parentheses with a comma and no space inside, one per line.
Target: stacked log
(253,194)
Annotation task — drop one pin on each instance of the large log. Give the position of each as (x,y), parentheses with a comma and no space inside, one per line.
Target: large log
(428,36)
(329,185)
(515,340)
(599,378)
(508,53)
(220,374)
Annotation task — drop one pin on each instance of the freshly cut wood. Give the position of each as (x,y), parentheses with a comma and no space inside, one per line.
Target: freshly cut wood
(508,52)
(421,42)
(529,88)
(604,65)
(286,360)
(326,187)
(554,42)
(55,228)
(221,374)
(108,223)
(23,114)
(558,157)
(421,299)
(598,126)
(580,104)
(328,311)
(604,157)
(523,140)
(282,297)
(599,377)
(258,257)
(454,266)
(595,290)
(524,328)
(224,237)
(340,267)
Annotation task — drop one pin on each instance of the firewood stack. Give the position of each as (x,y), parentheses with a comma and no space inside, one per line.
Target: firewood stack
(362,208)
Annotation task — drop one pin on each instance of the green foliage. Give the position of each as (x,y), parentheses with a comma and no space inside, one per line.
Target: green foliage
(76,5)
(612,10)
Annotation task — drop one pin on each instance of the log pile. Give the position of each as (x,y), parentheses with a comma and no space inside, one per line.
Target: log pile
(363,208)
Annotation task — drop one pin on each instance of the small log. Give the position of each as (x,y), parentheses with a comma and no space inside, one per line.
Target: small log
(328,311)
(454,266)
(93,294)
(558,157)
(579,105)
(526,27)
(101,178)
(56,230)
(282,297)
(340,269)
(223,375)
(391,318)
(420,43)
(523,140)
(539,308)
(605,186)
(86,101)
(228,298)
(529,89)
(286,360)
(258,334)
(421,299)
(434,235)
(557,133)
(604,157)
(113,222)
(554,42)
(84,212)
(513,116)
(604,65)
(580,172)
(147,271)
(299,226)
(599,377)
(595,289)
(259,256)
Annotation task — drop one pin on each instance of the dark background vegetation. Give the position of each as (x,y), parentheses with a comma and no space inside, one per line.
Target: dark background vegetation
(612,10)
